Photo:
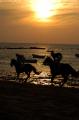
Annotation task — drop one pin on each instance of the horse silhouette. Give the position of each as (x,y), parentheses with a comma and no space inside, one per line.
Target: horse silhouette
(63,69)
(20,68)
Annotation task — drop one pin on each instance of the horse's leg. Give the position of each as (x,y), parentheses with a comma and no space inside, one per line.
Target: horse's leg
(28,76)
(52,78)
(17,76)
(64,81)
(35,70)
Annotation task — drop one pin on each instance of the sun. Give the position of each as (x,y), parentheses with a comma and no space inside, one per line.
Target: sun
(43,9)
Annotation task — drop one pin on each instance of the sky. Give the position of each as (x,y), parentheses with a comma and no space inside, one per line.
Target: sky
(39,21)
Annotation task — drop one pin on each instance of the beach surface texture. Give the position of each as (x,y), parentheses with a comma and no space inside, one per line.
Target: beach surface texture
(37,102)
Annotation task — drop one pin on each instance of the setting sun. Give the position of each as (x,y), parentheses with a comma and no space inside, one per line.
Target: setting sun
(43,9)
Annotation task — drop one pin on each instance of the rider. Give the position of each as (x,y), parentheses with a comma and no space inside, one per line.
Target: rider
(20,58)
(57,57)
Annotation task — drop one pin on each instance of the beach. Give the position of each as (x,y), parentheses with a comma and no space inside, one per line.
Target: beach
(37,102)
(37,99)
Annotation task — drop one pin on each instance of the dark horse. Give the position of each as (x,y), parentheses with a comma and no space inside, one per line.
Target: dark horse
(20,68)
(60,69)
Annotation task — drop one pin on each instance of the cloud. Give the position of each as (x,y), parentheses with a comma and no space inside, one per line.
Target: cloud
(13,16)
(18,12)
(66,16)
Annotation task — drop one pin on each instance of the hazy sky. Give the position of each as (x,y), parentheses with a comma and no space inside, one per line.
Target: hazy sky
(46,21)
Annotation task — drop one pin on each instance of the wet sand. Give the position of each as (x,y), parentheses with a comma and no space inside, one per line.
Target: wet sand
(37,102)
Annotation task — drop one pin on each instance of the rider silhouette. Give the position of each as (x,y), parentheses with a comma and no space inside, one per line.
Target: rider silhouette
(20,58)
(57,57)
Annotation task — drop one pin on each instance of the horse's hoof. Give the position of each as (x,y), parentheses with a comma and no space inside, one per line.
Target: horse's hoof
(38,73)
(52,85)
(24,82)
(61,86)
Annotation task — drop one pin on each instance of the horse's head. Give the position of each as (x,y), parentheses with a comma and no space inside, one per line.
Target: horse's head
(13,62)
(48,61)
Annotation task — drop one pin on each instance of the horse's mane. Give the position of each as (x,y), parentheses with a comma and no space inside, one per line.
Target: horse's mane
(49,59)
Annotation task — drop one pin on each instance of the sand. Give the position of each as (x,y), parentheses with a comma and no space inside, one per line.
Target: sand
(37,102)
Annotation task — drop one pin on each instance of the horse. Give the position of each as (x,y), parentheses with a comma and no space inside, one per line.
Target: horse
(63,69)
(20,68)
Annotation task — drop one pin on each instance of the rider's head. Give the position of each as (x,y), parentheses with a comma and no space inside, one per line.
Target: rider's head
(52,53)
(57,57)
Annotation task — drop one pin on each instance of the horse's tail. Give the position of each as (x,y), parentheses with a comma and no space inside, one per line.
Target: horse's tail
(35,70)
(73,71)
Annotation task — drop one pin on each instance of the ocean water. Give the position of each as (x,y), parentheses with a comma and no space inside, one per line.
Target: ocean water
(9,50)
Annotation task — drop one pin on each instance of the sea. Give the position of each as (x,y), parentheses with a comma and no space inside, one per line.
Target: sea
(9,50)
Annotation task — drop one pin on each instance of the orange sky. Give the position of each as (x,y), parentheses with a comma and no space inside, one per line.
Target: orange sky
(39,21)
